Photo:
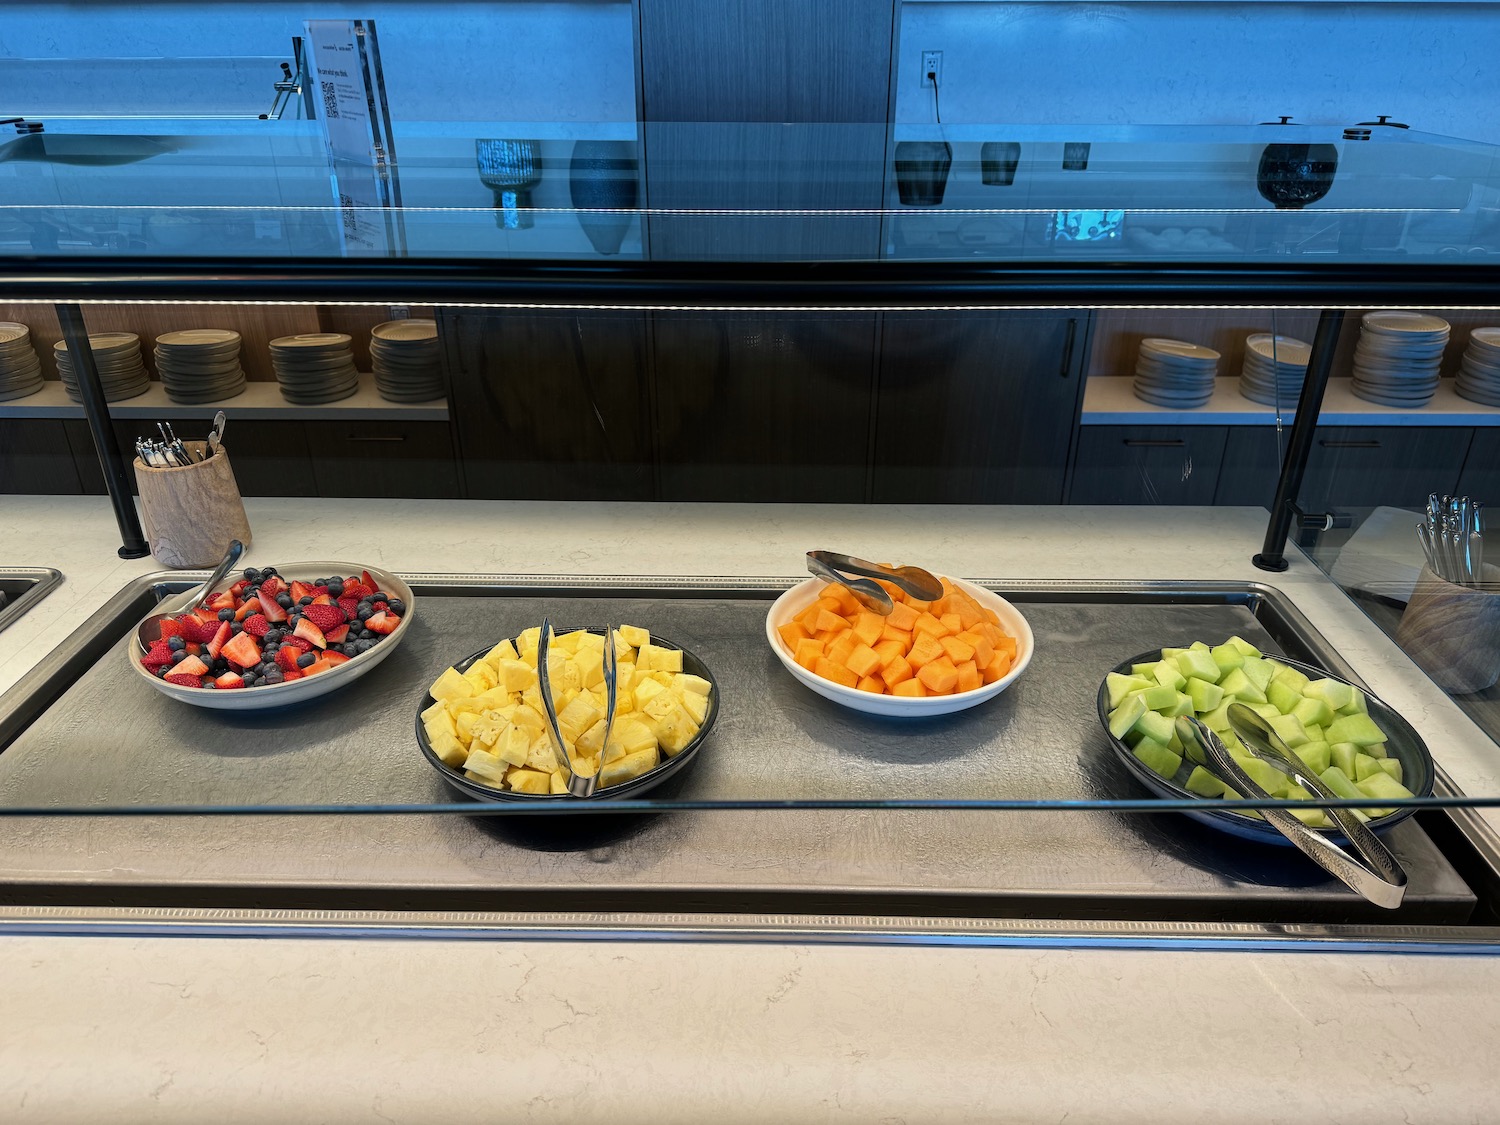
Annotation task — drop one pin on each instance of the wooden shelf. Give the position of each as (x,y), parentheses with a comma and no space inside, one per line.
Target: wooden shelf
(1110,401)
(259,401)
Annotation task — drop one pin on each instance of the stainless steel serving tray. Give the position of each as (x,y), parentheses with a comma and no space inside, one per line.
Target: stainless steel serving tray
(80,731)
(21,587)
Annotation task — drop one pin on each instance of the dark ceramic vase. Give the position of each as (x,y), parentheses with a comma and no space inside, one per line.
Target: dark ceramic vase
(998,161)
(1293,175)
(922,172)
(602,182)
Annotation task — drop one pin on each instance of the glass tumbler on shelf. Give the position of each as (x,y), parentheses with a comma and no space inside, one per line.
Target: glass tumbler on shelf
(510,169)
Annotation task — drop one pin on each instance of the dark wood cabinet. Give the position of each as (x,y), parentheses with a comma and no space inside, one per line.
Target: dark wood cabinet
(269,458)
(1480,479)
(36,459)
(1147,464)
(413,460)
(975,408)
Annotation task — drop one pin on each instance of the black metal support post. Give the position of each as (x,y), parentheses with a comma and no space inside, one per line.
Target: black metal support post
(1319,364)
(96,410)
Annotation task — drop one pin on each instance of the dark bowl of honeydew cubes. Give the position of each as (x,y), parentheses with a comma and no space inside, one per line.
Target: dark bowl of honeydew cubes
(669,764)
(1357,744)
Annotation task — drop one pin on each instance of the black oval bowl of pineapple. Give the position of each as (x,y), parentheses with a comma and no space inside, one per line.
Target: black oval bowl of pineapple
(1358,732)
(672,759)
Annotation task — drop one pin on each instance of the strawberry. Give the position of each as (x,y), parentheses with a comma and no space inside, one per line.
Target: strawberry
(349,605)
(160,654)
(324,663)
(215,645)
(181,679)
(300,590)
(298,643)
(192,666)
(243,650)
(336,635)
(357,590)
(272,586)
(170,628)
(320,591)
(364,576)
(189,628)
(382,622)
(286,658)
(250,605)
(257,625)
(290,674)
(229,680)
(323,598)
(308,630)
(223,601)
(269,607)
(325,617)
(207,616)
(240,587)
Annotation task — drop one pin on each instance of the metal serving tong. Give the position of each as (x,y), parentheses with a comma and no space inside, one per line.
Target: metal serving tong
(834,567)
(1382,882)
(578,784)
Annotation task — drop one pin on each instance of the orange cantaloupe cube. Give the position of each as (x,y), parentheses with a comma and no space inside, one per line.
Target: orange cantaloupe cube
(968,612)
(808,652)
(896,672)
(791,633)
(939,676)
(863,661)
(889,651)
(899,636)
(989,631)
(902,617)
(983,651)
(841,647)
(957,650)
(1006,645)
(997,669)
(926,623)
(872,684)
(890,588)
(808,618)
(835,672)
(953,623)
(939,607)
(911,688)
(848,603)
(991,616)
(868,627)
(968,676)
(829,622)
(924,649)
(918,604)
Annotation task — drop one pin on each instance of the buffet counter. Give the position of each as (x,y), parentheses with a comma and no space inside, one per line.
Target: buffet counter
(331,1028)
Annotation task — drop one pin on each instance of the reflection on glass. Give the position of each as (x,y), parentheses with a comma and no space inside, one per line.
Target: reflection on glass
(510,169)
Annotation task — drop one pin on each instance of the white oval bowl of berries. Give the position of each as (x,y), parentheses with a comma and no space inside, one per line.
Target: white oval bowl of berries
(278,635)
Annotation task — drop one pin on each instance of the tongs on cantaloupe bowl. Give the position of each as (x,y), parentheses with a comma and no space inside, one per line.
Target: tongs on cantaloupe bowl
(858,575)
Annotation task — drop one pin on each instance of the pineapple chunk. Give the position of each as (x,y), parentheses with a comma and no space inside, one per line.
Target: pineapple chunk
(696,706)
(513,745)
(591,741)
(568,642)
(658,659)
(540,755)
(530,781)
(645,691)
(486,765)
(482,676)
(451,685)
(529,720)
(629,766)
(438,708)
(634,636)
(674,731)
(448,749)
(558,784)
(441,721)
(515,675)
(488,728)
(692,685)
(590,665)
(662,705)
(466,723)
(494,697)
(502,651)
(624,678)
(579,715)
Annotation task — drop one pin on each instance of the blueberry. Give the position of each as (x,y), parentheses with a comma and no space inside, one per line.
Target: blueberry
(305,600)
(335,589)
(268,572)
(221,664)
(275,676)
(284,600)
(235,628)
(179,656)
(364,612)
(176,644)
(379,596)
(226,615)
(398,607)
(161,672)
(305,659)
(248,679)
(367,645)
(251,574)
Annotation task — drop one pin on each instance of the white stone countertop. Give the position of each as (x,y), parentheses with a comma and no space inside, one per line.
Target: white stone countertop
(323,1029)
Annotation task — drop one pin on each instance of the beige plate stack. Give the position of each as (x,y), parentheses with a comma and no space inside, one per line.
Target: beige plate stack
(404,354)
(1479,377)
(1275,367)
(315,367)
(20,369)
(1175,373)
(117,355)
(1397,359)
(200,364)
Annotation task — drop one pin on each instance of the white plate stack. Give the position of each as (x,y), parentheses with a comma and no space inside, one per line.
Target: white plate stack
(200,364)
(1479,377)
(20,369)
(404,354)
(1175,373)
(315,367)
(1398,356)
(117,357)
(1274,369)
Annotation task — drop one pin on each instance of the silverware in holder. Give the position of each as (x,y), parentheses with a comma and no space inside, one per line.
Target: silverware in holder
(191,507)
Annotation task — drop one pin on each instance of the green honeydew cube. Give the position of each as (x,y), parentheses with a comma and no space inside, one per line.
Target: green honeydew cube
(1286,674)
(1282,696)
(1203,783)
(1376,750)
(1342,755)
(1227,657)
(1364,766)
(1382,785)
(1155,726)
(1171,654)
(1120,686)
(1166,674)
(1156,757)
(1359,729)
(1125,716)
(1238,684)
(1147,669)
(1206,696)
(1244,646)
(1337,780)
(1183,705)
(1312,712)
(1217,719)
(1391,766)
(1158,697)
(1267,776)
(1264,710)
(1197,663)
(1356,704)
(1200,646)
(1291,730)
(1315,755)
(1258,671)
(1315,733)
(1335,693)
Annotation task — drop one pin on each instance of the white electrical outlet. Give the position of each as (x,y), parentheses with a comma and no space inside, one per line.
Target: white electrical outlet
(932,63)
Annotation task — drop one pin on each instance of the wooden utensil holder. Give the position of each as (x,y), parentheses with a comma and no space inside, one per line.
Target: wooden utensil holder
(1453,632)
(191,512)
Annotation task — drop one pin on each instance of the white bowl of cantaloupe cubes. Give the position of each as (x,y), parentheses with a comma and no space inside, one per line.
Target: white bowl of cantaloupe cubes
(926,658)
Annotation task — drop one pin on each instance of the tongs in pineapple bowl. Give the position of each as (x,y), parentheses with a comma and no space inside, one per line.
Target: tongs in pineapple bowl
(844,569)
(580,783)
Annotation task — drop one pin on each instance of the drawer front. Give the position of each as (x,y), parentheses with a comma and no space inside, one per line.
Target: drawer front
(35,458)
(398,459)
(1147,464)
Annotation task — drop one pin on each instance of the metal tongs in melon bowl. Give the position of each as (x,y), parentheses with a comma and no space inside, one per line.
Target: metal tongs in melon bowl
(579,785)
(843,569)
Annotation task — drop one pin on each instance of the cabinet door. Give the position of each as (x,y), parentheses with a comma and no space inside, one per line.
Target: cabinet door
(35,458)
(764,406)
(976,409)
(552,406)
(1481,475)
(398,459)
(1147,464)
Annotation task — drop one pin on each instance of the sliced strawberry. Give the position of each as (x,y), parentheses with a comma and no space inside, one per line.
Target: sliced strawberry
(325,617)
(382,622)
(292,673)
(356,590)
(182,679)
(268,606)
(250,606)
(243,650)
(337,634)
(240,587)
(320,590)
(308,630)
(207,616)
(349,605)
(223,601)
(324,663)
(286,658)
(298,643)
(272,586)
(364,576)
(257,625)
(323,599)
(160,654)
(192,666)
(194,647)
(217,644)
(170,628)
(300,590)
(229,680)
(188,627)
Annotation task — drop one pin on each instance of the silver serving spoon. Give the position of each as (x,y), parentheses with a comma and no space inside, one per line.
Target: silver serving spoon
(148,632)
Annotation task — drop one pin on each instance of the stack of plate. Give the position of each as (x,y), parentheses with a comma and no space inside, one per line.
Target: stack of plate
(1175,373)
(314,367)
(20,369)
(117,356)
(1479,377)
(200,364)
(1396,362)
(404,354)
(1274,369)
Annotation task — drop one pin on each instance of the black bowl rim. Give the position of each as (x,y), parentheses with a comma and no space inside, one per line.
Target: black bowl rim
(1239,819)
(648,780)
